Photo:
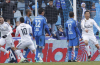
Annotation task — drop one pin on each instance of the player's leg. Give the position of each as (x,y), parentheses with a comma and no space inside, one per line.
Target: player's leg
(94,40)
(41,45)
(86,39)
(26,52)
(76,44)
(2,42)
(18,52)
(70,50)
(32,47)
(37,48)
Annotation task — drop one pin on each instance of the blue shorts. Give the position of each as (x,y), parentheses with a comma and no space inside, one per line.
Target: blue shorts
(74,42)
(40,40)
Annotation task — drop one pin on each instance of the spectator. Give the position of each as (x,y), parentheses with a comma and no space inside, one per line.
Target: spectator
(8,9)
(59,7)
(27,17)
(27,3)
(14,30)
(59,33)
(93,11)
(51,15)
(40,2)
(81,12)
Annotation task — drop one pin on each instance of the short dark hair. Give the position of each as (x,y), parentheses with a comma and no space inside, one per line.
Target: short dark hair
(21,19)
(27,10)
(40,10)
(50,0)
(71,14)
(86,11)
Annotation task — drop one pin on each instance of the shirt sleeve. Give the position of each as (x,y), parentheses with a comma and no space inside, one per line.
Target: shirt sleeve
(30,29)
(77,30)
(47,29)
(17,32)
(82,25)
(25,20)
(10,30)
(67,32)
(95,24)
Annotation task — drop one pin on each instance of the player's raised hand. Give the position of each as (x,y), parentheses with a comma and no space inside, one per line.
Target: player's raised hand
(4,36)
(86,30)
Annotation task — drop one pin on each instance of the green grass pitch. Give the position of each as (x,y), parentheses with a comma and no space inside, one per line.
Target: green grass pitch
(55,63)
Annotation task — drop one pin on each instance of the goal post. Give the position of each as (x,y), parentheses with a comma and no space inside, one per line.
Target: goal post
(74,9)
(36,10)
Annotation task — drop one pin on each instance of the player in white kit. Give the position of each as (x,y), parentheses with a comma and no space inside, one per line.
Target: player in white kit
(6,37)
(87,32)
(25,30)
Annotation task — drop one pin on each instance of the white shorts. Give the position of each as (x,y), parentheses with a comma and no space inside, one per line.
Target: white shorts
(91,38)
(9,42)
(23,45)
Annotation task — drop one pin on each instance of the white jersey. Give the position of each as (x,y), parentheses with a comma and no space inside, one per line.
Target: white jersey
(24,30)
(88,24)
(6,29)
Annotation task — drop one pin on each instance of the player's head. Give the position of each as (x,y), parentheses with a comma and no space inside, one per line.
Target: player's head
(51,2)
(21,20)
(71,14)
(83,5)
(28,12)
(87,14)
(8,20)
(7,1)
(17,23)
(1,20)
(41,11)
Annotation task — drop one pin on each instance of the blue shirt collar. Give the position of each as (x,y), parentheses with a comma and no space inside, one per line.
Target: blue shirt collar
(40,15)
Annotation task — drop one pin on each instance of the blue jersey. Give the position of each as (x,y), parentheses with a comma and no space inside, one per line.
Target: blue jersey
(72,30)
(39,26)
(27,20)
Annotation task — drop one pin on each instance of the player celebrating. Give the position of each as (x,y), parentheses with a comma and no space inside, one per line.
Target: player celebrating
(72,33)
(39,25)
(87,32)
(25,30)
(6,37)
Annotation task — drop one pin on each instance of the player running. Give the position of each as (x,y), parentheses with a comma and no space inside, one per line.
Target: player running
(87,32)
(39,25)
(6,37)
(25,30)
(27,20)
(73,34)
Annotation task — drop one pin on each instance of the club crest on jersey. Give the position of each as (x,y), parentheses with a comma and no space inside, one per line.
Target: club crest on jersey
(27,21)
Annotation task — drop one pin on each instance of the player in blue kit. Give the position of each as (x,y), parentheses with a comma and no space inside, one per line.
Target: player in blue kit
(39,26)
(27,18)
(73,35)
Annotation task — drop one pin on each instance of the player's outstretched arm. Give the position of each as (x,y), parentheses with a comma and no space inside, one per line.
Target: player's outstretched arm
(77,30)
(67,33)
(47,29)
(95,24)
(10,30)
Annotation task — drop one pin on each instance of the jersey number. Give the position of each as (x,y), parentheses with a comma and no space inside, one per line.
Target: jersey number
(38,22)
(24,31)
(69,27)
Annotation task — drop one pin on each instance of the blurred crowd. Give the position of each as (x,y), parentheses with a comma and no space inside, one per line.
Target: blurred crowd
(12,10)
